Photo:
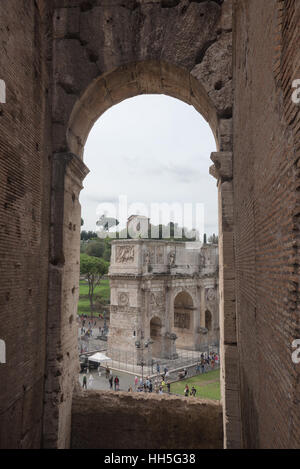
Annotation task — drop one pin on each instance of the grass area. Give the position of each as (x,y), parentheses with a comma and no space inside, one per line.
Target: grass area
(84,303)
(206,384)
(103,288)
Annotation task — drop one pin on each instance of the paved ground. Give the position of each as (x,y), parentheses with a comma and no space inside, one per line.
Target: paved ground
(126,379)
(102,384)
(93,343)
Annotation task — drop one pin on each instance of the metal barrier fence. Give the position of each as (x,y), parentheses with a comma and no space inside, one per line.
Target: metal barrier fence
(130,362)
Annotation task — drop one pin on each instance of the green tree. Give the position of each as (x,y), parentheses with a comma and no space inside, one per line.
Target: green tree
(93,268)
(95,248)
(107,249)
(85,235)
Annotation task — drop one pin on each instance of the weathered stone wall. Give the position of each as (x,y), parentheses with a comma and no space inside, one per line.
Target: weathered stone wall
(109,50)
(144,421)
(25,154)
(266,218)
(62,363)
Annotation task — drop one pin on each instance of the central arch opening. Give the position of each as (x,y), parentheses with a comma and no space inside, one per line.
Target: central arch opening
(184,320)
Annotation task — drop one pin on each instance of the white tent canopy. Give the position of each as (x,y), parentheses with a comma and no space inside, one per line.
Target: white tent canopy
(98,357)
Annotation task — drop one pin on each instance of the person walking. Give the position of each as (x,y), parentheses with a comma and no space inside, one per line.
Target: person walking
(136,380)
(91,379)
(157,368)
(111,379)
(193,391)
(186,391)
(147,383)
(117,382)
(168,387)
(150,386)
(208,360)
(84,382)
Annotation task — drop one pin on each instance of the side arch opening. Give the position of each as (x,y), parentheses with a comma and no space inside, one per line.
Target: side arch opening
(155,336)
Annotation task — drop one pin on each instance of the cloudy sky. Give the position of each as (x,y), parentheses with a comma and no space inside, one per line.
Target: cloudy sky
(150,149)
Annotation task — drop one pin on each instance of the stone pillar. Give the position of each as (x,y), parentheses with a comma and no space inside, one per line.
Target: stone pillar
(169,349)
(62,364)
(196,323)
(230,382)
(169,346)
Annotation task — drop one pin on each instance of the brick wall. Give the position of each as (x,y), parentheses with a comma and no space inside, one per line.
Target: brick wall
(266,152)
(24,215)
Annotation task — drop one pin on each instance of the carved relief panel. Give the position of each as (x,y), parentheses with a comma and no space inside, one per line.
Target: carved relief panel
(149,256)
(160,255)
(157,299)
(124,254)
(210,294)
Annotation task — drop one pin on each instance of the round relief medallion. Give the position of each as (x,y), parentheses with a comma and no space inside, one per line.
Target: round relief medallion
(123,299)
(210,294)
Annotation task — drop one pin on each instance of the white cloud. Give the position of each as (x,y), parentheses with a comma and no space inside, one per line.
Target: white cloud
(152,149)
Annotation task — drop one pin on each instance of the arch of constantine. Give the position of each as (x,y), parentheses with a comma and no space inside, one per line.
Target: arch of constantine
(64,63)
(161,292)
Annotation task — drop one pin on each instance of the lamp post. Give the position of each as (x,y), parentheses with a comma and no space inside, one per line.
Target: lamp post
(104,326)
(142,345)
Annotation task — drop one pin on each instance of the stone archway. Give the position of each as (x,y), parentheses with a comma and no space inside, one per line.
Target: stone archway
(156,337)
(103,54)
(184,320)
